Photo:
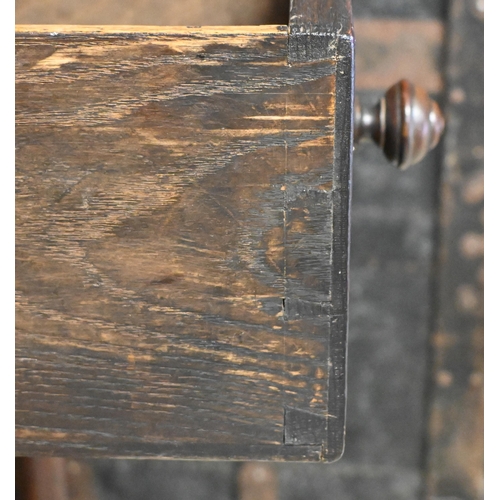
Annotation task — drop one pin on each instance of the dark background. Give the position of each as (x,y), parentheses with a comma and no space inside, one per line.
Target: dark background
(414,408)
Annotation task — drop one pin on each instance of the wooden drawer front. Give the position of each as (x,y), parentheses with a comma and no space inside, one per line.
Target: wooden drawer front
(181,244)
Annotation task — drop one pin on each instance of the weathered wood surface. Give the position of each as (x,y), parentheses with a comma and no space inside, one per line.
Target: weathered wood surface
(455,443)
(181,244)
(316,26)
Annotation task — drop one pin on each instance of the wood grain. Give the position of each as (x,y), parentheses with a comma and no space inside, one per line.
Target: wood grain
(176,224)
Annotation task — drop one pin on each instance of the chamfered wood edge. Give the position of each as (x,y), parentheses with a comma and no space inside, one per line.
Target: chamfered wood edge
(343,148)
(172,451)
(69,29)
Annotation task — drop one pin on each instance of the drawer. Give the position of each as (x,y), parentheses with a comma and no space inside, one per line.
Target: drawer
(182,235)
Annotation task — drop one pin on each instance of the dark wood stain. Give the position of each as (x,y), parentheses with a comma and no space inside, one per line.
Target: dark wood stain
(315,28)
(177,217)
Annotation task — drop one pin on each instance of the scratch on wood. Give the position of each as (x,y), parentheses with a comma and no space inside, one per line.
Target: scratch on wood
(171,263)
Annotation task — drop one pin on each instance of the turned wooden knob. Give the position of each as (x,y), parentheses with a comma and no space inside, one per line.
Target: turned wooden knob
(406,123)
